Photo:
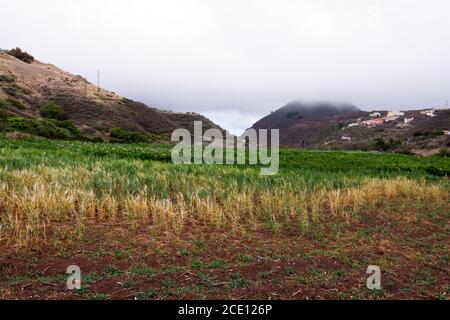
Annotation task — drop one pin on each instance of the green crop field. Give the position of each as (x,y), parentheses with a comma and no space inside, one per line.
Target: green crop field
(110,201)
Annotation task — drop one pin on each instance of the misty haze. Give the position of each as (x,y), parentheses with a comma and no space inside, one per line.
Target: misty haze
(245,58)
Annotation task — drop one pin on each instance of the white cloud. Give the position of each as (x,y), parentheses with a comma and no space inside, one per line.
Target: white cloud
(248,56)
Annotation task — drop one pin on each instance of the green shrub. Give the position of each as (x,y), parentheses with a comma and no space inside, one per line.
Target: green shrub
(16,103)
(3,116)
(97,140)
(51,110)
(3,104)
(69,125)
(382,145)
(444,152)
(429,133)
(120,135)
(3,119)
(21,55)
(7,78)
(36,127)
(48,128)
(404,150)
(12,91)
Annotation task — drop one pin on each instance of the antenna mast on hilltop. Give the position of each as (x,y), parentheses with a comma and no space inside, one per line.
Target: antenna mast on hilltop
(98,80)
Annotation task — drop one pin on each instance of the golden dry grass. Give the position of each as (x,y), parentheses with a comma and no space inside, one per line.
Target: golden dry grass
(47,203)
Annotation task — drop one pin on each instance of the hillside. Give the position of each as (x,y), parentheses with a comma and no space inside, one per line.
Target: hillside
(186,120)
(297,111)
(343,126)
(25,87)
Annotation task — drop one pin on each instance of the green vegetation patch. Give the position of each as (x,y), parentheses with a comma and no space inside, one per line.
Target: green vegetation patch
(47,128)
(118,135)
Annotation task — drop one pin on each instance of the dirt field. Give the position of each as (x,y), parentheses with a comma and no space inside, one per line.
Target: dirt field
(327,262)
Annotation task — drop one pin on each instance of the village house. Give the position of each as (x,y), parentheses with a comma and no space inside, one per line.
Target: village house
(391,118)
(408,120)
(375,115)
(377,122)
(405,123)
(429,113)
(395,114)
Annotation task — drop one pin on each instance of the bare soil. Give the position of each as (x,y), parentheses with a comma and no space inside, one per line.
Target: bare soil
(329,261)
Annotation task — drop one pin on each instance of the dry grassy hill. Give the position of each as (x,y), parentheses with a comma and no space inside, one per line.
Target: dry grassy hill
(25,87)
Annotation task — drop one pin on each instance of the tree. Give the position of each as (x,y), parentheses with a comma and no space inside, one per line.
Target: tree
(21,55)
(51,110)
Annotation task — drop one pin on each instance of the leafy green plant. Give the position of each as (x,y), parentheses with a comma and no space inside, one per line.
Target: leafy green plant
(147,294)
(142,270)
(235,280)
(218,263)
(51,110)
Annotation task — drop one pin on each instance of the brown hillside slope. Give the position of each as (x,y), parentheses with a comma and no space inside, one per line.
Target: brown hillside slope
(341,126)
(92,109)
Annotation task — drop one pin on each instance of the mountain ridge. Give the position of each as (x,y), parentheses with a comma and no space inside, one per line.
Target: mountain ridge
(326,125)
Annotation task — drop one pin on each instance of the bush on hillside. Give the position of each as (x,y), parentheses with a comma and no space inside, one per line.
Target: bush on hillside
(68,125)
(444,152)
(3,104)
(51,110)
(16,103)
(47,128)
(3,119)
(3,116)
(11,90)
(7,78)
(429,133)
(42,128)
(120,135)
(382,145)
(97,140)
(21,55)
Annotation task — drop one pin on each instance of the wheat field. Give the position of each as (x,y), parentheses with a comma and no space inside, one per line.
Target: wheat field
(53,194)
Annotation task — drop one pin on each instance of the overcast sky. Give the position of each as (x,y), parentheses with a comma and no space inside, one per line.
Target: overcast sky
(236,60)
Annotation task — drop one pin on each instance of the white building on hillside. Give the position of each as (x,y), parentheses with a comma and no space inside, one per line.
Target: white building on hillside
(408,120)
(395,114)
(428,113)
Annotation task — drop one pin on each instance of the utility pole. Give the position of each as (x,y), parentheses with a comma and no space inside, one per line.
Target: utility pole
(98,80)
